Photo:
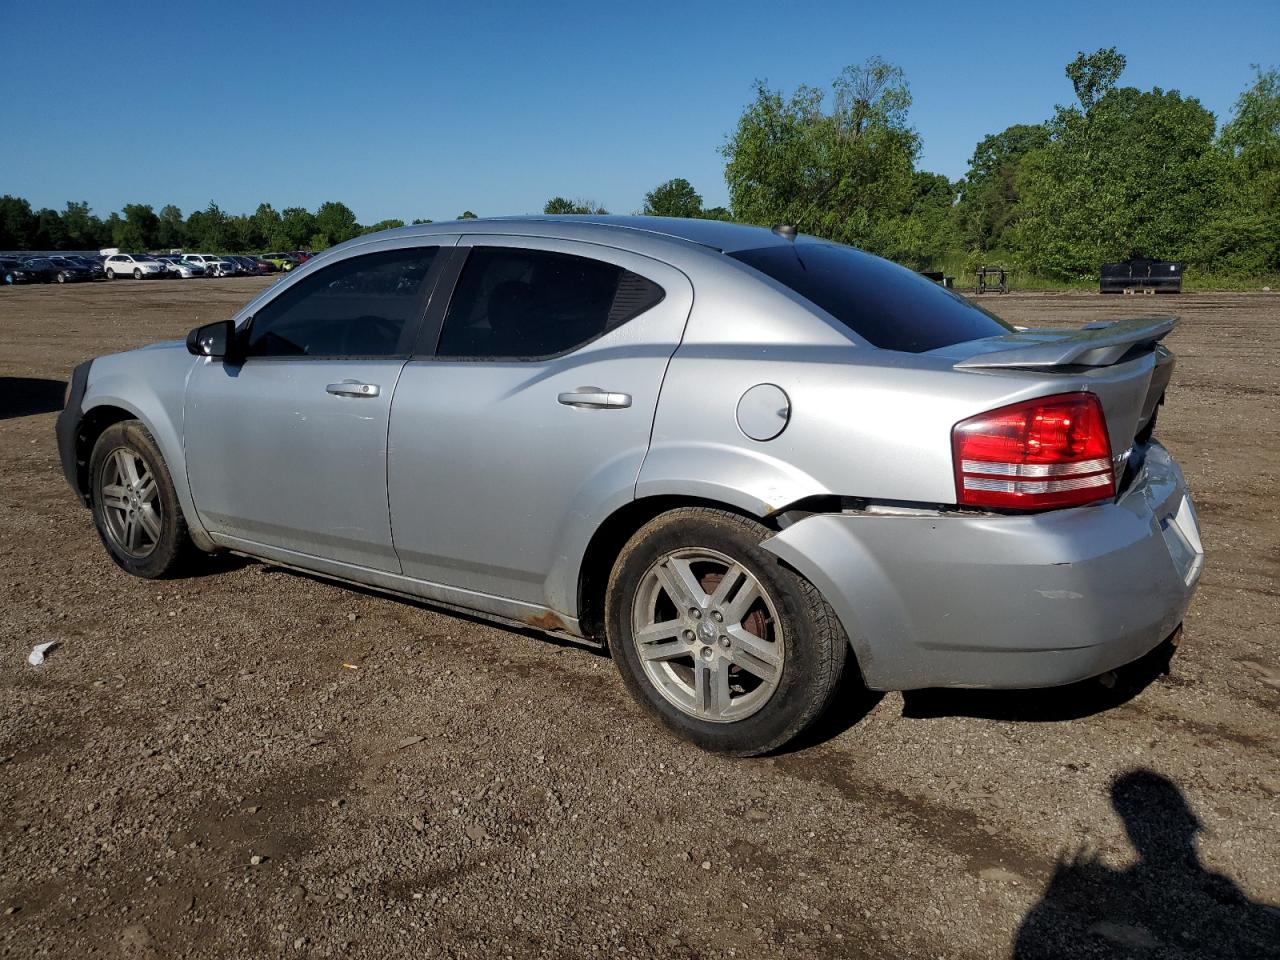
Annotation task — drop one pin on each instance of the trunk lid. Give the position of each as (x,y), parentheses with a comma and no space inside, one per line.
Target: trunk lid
(1121,361)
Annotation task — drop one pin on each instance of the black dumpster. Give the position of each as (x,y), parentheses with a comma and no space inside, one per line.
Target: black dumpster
(1139,274)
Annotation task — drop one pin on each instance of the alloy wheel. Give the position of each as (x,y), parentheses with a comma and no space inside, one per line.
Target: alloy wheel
(130,503)
(708,635)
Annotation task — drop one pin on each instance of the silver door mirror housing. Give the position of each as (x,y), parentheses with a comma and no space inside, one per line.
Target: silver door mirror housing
(214,340)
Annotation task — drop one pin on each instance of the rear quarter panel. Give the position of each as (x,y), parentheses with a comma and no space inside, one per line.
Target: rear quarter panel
(864,422)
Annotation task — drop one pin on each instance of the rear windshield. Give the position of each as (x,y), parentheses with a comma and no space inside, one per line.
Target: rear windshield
(889,306)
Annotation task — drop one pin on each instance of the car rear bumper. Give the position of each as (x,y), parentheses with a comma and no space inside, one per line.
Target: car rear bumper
(933,599)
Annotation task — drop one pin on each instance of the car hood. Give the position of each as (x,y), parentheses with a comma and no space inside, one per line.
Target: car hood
(162,345)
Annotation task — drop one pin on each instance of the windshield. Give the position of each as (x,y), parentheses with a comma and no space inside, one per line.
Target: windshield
(887,305)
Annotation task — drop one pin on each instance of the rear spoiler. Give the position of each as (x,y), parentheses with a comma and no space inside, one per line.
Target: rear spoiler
(1095,345)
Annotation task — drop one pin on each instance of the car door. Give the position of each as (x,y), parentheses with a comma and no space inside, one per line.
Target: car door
(287,449)
(531,420)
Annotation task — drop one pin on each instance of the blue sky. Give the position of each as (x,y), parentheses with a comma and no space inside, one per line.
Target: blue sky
(405,109)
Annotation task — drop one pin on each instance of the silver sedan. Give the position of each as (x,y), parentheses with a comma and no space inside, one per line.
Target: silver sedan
(752,463)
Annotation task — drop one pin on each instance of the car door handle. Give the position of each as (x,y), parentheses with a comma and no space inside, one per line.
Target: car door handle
(594,397)
(350,388)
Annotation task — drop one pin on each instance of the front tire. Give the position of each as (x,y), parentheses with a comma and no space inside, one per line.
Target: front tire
(135,505)
(730,648)
(137,273)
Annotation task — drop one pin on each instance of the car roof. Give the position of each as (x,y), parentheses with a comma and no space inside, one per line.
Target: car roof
(613,230)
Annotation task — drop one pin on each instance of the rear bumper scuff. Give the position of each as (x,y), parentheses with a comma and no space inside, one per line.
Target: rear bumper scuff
(964,600)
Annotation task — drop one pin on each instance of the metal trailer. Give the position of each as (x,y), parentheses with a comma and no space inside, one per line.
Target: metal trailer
(1141,275)
(993,280)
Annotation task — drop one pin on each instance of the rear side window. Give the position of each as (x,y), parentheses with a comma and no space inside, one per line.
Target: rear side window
(361,307)
(526,304)
(887,305)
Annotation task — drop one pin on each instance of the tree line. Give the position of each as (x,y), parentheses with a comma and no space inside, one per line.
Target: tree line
(1120,172)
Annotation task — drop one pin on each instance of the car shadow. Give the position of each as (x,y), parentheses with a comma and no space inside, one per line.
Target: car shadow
(27,396)
(1050,705)
(1165,904)
(852,702)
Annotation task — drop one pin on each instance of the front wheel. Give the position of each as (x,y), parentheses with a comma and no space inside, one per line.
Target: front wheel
(731,649)
(137,273)
(135,506)
(62,277)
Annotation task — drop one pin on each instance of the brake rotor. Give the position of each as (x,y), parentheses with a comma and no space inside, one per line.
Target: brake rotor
(756,622)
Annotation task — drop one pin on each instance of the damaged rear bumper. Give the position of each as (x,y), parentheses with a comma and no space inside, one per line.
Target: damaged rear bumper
(933,599)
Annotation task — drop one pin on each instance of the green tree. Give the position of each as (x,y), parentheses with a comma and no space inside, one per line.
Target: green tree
(417,222)
(337,222)
(297,225)
(466,215)
(1095,74)
(925,230)
(17,224)
(1243,233)
(171,231)
(674,198)
(716,213)
(561,206)
(51,232)
(244,233)
(1136,172)
(989,194)
(382,225)
(84,230)
(209,230)
(140,228)
(843,172)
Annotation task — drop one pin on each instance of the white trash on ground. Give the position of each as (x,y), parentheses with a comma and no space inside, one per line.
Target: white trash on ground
(36,656)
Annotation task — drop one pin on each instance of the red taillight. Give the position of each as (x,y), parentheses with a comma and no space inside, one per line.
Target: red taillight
(1047,452)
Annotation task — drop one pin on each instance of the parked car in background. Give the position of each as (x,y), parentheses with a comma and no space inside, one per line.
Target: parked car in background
(41,269)
(251,265)
(13,271)
(750,462)
(94,266)
(182,269)
(284,262)
(213,266)
(139,266)
(67,271)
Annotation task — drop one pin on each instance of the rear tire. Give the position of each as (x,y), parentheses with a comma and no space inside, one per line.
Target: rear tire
(111,274)
(135,505)
(767,653)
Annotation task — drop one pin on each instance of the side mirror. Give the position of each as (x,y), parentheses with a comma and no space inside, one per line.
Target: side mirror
(215,340)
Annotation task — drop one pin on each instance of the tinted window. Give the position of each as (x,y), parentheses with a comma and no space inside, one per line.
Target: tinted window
(361,307)
(521,304)
(887,305)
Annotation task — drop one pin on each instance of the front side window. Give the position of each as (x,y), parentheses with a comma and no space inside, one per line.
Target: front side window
(361,307)
(887,305)
(523,304)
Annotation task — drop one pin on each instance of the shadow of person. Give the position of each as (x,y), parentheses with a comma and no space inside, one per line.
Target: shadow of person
(1165,905)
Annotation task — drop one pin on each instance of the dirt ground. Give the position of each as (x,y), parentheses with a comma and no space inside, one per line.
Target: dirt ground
(476,791)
